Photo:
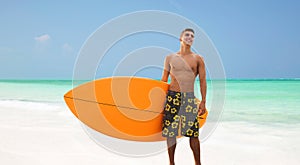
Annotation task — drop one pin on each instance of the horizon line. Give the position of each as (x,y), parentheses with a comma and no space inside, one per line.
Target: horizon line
(226,79)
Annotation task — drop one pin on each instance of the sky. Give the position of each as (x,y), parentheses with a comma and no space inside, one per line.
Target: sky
(254,39)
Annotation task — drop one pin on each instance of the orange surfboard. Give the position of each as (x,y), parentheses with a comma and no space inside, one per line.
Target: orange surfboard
(129,108)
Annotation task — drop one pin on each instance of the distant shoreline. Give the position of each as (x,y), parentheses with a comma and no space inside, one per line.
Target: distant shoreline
(228,79)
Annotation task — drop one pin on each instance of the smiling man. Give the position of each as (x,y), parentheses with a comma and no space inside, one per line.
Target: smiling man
(180,111)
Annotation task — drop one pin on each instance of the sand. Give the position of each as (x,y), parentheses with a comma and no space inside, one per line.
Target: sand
(31,135)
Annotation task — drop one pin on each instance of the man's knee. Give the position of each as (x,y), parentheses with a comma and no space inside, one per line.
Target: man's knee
(194,139)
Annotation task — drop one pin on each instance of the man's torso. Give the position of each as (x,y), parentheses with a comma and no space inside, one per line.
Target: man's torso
(183,71)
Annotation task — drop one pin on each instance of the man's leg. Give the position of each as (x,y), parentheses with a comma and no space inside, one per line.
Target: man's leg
(171,142)
(195,146)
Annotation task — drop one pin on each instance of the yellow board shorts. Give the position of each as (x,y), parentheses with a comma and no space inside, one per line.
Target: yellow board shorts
(180,111)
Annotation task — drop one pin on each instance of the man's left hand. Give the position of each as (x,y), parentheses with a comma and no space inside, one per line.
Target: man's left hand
(202,108)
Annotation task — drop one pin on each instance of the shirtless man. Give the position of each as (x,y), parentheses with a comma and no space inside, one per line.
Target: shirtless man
(180,111)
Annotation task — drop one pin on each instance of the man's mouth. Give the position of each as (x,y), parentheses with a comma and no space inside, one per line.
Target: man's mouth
(189,41)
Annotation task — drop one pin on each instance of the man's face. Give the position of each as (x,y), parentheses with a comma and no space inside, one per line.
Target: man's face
(187,37)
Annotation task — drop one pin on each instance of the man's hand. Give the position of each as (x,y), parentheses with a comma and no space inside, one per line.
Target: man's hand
(202,108)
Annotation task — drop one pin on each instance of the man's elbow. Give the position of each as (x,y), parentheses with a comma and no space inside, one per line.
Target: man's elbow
(202,79)
(164,79)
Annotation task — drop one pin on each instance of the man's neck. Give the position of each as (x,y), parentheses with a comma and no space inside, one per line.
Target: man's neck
(185,50)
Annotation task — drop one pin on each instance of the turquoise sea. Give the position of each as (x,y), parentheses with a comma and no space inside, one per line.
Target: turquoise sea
(263,101)
(270,102)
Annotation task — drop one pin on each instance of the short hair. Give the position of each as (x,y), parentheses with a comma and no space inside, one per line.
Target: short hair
(187,29)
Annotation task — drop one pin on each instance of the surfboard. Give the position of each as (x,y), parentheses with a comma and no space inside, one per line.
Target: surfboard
(129,108)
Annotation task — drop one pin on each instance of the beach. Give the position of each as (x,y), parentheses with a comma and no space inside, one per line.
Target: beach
(38,128)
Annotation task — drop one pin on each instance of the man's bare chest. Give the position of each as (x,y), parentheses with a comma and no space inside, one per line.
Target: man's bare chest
(179,63)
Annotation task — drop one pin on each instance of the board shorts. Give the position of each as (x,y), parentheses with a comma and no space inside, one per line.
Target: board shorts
(180,113)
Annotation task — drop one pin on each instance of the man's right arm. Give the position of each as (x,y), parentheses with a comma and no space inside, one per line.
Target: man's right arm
(166,70)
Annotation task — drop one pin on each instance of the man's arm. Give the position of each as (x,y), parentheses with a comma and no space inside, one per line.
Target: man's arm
(166,70)
(203,86)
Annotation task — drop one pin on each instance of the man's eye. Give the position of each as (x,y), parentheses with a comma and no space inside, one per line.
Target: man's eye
(189,35)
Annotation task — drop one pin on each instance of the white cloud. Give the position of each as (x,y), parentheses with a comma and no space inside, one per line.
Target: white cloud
(42,38)
(67,48)
(42,43)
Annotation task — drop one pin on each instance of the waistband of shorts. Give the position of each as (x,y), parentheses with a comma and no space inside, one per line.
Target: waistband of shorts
(188,94)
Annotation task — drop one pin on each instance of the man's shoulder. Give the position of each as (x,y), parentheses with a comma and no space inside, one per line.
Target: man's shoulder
(170,55)
(199,59)
(197,56)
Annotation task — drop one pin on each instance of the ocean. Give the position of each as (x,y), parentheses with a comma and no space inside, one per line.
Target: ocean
(275,101)
(268,102)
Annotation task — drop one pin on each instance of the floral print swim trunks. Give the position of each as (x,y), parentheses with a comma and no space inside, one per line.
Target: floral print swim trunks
(180,113)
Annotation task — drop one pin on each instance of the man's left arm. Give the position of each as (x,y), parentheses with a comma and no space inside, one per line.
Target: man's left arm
(203,86)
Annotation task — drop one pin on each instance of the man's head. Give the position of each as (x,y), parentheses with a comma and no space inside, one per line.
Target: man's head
(187,36)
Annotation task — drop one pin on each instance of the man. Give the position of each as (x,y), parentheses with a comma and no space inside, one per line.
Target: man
(180,111)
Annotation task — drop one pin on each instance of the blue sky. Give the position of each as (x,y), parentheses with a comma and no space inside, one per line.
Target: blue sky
(255,39)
